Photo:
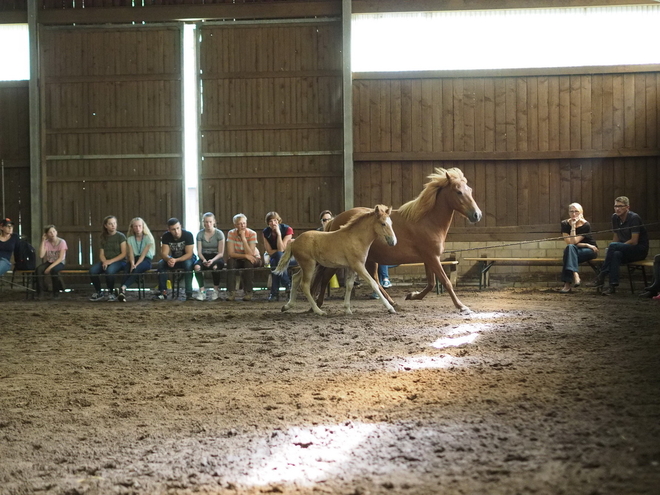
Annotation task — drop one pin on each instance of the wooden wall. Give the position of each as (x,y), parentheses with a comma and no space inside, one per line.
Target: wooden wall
(112,127)
(271,121)
(15,154)
(529,145)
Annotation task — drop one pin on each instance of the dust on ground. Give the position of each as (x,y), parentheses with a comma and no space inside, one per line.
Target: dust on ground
(534,392)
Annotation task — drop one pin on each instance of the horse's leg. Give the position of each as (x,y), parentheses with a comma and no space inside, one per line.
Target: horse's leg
(444,279)
(308,273)
(350,280)
(430,284)
(295,285)
(371,268)
(360,270)
(322,276)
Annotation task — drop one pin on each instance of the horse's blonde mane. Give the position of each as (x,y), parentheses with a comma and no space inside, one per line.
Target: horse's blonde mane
(415,209)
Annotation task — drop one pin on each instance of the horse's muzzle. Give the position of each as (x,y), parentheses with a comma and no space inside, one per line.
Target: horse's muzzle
(391,241)
(475,216)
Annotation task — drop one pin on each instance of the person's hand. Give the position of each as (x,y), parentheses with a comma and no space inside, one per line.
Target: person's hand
(105,265)
(594,248)
(251,258)
(132,266)
(47,271)
(171,262)
(572,221)
(44,238)
(241,233)
(206,263)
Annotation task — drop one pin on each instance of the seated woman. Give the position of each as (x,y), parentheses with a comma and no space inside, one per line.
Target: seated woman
(211,249)
(8,243)
(112,259)
(276,237)
(654,289)
(52,251)
(581,246)
(242,252)
(141,250)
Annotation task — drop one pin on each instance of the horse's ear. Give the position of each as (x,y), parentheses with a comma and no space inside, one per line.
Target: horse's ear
(377,210)
(389,210)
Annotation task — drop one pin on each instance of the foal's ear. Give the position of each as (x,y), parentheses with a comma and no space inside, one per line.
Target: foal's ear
(389,210)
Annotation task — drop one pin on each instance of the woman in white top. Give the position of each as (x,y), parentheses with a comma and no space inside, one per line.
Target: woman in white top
(52,251)
(141,250)
(210,250)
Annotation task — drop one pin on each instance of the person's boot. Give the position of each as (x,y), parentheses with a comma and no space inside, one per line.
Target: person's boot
(610,291)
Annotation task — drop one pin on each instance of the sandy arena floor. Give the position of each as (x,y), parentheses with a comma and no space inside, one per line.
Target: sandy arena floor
(534,392)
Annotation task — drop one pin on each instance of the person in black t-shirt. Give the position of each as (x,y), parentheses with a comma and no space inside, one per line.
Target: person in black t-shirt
(177,247)
(581,246)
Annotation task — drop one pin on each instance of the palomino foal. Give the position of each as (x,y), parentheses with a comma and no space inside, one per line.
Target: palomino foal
(346,247)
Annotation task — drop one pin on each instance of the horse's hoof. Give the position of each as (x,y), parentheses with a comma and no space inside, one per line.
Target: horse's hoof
(412,296)
(348,312)
(285,308)
(465,310)
(392,311)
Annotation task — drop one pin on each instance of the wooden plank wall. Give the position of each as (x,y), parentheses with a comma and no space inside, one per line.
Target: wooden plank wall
(112,130)
(271,121)
(528,145)
(15,154)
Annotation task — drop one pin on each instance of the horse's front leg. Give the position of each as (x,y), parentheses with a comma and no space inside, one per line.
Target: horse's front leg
(349,281)
(444,279)
(370,266)
(360,270)
(430,284)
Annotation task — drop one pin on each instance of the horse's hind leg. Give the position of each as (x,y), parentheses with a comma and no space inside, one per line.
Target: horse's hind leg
(430,284)
(374,286)
(295,284)
(307,274)
(322,276)
(350,280)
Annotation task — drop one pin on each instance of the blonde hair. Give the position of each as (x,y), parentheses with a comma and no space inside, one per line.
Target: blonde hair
(578,207)
(145,228)
(623,199)
(209,214)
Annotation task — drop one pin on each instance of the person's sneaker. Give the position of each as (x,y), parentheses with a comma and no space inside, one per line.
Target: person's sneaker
(189,296)
(374,295)
(121,297)
(232,296)
(97,296)
(112,297)
(656,298)
(213,294)
(386,283)
(201,295)
(159,296)
(599,281)
(273,298)
(247,296)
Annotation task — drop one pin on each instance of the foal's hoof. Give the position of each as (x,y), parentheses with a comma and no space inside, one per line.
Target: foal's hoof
(392,311)
(465,311)
(285,308)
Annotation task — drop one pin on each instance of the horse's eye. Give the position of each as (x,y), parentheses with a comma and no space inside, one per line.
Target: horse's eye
(460,193)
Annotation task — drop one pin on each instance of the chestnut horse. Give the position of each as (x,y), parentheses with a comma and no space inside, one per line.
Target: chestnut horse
(346,247)
(421,225)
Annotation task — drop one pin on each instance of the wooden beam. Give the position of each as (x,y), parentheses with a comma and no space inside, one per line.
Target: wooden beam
(480,73)
(191,12)
(381,6)
(501,155)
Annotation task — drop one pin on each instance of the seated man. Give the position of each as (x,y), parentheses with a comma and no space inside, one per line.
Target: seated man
(630,243)
(242,252)
(177,252)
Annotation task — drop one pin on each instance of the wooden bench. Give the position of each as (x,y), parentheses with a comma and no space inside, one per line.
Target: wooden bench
(487,263)
(449,265)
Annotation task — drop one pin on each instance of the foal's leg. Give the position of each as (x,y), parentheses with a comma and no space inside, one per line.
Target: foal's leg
(359,268)
(307,274)
(295,284)
(350,280)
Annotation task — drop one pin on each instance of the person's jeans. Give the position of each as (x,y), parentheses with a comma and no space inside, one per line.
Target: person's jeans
(185,266)
(5,266)
(113,268)
(278,281)
(573,256)
(131,277)
(620,253)
(54,276)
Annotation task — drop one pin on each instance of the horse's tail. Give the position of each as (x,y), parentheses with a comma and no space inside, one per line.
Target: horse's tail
(283,265)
